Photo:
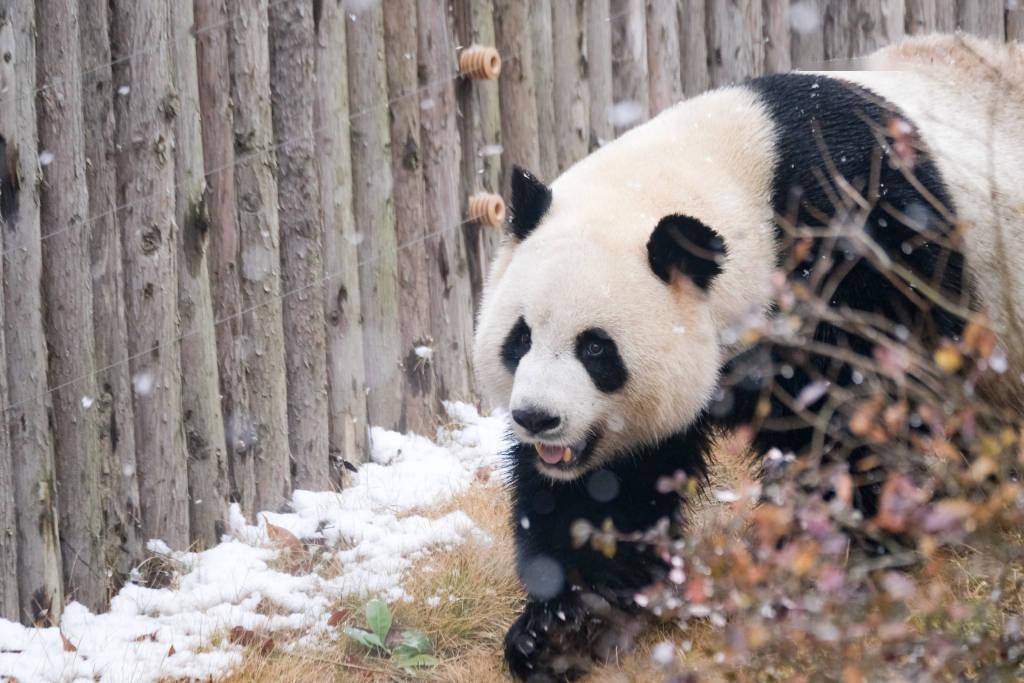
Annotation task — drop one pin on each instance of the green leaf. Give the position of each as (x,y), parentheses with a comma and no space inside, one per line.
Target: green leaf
(368,640)
(403,652)
(378,616)
(409,663)
(417,641)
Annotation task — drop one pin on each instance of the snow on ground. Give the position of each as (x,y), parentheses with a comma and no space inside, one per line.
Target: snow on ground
(371,533)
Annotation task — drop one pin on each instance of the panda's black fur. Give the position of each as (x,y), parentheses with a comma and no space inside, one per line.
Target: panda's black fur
(544,511)
(818,121)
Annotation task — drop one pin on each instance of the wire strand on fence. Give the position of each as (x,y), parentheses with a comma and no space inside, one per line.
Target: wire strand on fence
(220,321)
(238,161)
(194,34)
(241,160)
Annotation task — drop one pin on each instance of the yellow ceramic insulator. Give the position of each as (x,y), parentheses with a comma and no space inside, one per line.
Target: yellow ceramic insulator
(487,208)
(480,62)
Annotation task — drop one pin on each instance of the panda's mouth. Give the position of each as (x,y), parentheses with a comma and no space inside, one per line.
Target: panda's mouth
(565,456)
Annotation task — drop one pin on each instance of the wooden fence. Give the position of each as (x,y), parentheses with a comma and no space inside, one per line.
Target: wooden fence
(234,232)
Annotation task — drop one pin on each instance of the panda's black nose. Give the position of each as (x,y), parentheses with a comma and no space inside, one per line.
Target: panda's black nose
(535,421)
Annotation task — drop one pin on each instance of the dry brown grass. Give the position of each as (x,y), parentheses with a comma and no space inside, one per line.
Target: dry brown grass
(478,596)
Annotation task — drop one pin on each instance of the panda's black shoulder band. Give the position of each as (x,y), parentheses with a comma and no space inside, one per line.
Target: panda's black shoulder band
(530,201)
(685,244)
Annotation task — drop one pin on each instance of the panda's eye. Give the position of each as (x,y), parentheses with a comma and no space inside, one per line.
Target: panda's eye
(517,344)
(599,354)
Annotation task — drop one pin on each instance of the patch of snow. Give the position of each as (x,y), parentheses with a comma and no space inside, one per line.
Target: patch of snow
(625,113)
(370,534)
(726,496)
(804,17)
(257,263)
(664,653)
(143,382)
(359,6)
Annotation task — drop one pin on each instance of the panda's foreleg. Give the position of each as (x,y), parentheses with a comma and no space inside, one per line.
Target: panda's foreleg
(593,617)
(549,640)
(581,597)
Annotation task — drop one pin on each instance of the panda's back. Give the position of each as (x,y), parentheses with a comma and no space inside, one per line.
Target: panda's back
(966,98)
(930,134)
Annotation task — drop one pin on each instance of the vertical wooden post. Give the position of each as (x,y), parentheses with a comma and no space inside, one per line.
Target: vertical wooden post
(258,430)
(599,71)
(39,563)
(122,518)
(663,63)
(930,16)
(807,36)
(518,96)
(375,216)
(1015,23)
(777,46)
(415,267)
(478,27)
(876,23)
(543,79)
(854,29)
(734,55)
(292,86)
(572,102)
(213,30)
(451,297)
(208,487)
(629,64)
(480,128)
(693,46)
(146,106)
(346,395)
(67,298)
(8,512)
(9,604)
(983,18)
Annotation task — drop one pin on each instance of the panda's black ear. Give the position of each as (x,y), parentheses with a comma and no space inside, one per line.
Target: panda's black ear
(688,246)
(530,201)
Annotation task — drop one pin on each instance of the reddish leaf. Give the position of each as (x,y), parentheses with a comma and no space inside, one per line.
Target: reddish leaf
(68,645)
(242,636)
(337,616)
(283,539)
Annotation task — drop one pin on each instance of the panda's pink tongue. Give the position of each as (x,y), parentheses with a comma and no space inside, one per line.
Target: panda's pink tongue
(553,455)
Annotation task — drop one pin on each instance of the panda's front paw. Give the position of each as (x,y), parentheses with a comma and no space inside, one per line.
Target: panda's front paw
(545,643)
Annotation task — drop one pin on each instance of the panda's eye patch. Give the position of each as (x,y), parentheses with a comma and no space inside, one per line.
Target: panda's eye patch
(517,344)
(600,357)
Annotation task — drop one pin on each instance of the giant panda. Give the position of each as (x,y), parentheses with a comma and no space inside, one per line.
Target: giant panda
(616,306)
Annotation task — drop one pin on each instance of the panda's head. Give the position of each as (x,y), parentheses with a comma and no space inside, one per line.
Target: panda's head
(596,330)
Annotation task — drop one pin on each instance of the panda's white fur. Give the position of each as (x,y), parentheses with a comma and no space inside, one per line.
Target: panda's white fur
(712,158)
